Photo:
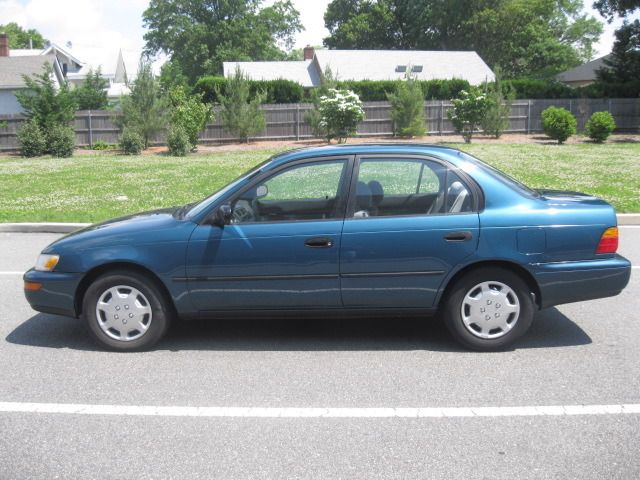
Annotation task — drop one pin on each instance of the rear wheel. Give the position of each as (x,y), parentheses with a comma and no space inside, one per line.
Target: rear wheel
(488,309)
(125,311)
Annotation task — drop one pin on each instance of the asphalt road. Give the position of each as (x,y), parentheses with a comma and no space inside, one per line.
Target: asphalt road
(578,354)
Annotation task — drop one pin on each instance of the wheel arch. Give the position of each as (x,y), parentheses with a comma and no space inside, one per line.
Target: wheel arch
(519,270)
(99,270)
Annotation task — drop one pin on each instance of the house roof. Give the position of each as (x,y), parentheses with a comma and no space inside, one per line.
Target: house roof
(584,72)
(302,72)
(13,68)
(387,64)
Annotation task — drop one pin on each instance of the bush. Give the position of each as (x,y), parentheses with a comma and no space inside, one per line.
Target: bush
(341,111)
(188,113)
(100,145)
(558,123)
(468,111)
(61,140)
(240,111)
(500,97)
(599,126)
(178,141)
(31,140)
(274,91)
(407,109)
(131,142)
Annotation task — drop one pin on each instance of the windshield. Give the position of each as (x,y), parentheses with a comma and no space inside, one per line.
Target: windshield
(500,175)
(201,206)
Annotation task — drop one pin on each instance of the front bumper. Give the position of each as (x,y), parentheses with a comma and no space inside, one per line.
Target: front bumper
(57,294)
(568,282)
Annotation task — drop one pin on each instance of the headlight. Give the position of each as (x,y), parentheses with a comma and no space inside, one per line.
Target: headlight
(46,262)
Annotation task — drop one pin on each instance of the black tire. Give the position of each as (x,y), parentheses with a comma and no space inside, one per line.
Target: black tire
(452,309)
(161,311)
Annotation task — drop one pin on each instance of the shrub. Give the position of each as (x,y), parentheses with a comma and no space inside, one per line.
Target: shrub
(100,145)
(558,123)
(407,108)
(274,91)
(599,126)
(188,113)
(131,142)
(31,140)
(145,108)
(178,141)
(92,94)
(500,97)
(313,117)
(468,111)
(61,140)
(341,111)
(240,112)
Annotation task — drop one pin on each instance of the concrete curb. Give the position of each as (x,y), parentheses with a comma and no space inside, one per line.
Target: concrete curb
(623,220)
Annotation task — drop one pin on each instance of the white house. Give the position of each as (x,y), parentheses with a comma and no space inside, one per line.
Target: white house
(370,65)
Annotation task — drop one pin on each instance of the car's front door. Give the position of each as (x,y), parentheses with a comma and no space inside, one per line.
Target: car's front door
(409,222)
(281,248)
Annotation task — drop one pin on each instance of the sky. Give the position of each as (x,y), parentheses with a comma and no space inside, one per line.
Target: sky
(98,29)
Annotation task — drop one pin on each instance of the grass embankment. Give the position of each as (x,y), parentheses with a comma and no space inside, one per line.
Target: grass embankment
(96,187)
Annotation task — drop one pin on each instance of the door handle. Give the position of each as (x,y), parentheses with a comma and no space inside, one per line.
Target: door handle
(458,236)
(318,242)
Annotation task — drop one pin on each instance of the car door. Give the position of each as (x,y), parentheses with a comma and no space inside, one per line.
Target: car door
(410,220)
(281,247)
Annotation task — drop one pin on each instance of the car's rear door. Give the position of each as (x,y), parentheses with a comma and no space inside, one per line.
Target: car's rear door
(281,249)
(410,221)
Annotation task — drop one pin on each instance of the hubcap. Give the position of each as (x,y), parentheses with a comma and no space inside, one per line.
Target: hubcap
(490,309)
(123,313)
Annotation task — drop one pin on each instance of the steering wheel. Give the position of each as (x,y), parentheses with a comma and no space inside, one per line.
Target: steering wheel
(243,212)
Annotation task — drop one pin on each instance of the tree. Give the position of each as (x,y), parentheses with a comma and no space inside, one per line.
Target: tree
(610,8)
(44,102)
(92,94)
(624,63)
(240,113)
(19,37)
(467,112)
(533,38)
(499,97)
(144,110)
(200,34)
(189,114)
(407,108)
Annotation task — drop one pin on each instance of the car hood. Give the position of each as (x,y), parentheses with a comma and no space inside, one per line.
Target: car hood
(163,225)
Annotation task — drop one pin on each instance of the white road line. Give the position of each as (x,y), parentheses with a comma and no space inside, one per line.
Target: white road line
(287,412)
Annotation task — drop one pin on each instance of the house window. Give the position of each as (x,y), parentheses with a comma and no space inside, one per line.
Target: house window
(416,68)
(401,68)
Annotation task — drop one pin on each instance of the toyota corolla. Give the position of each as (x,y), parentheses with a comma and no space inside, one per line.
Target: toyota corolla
(363,230)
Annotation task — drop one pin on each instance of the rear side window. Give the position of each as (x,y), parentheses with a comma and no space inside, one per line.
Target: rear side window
(397,186)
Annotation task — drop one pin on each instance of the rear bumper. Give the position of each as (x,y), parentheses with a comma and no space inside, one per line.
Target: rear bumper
(568,282)
(57,294)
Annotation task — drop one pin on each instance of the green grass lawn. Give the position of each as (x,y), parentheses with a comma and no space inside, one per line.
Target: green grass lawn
(93,188)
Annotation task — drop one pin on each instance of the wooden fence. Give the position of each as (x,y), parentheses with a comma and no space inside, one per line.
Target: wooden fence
(287,121)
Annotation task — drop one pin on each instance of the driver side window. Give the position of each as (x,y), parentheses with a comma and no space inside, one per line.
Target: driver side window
(302,192)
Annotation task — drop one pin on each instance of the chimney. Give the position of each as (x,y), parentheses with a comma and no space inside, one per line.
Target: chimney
(309,52)
(4,45)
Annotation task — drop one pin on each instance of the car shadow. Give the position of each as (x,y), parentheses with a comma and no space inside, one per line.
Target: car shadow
(550,329)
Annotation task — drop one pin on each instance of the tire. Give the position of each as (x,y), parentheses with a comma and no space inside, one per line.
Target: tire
(488,309)
(133,314)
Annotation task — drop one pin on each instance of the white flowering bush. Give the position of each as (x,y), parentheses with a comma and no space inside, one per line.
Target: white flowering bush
(468,111)
(340,113)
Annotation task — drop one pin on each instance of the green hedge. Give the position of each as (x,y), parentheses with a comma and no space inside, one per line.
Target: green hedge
(286,91)
(277,91)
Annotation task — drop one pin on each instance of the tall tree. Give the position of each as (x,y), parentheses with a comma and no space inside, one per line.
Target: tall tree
(19,37)
(200,34)
(624,63)
(610,8)
(92,94)
(537,37)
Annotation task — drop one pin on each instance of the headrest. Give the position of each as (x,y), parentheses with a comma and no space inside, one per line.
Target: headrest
(377,192)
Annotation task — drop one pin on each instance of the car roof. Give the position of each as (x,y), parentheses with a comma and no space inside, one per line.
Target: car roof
(362,148)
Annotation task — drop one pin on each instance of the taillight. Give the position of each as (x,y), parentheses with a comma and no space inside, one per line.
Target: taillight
(609,241)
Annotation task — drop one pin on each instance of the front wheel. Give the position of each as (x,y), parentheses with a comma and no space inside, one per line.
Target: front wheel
(125,311)
(488,309)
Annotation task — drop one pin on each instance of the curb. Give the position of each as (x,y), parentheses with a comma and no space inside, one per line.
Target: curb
(624,219)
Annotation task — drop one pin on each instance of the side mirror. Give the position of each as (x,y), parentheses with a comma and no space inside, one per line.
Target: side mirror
(222,215)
